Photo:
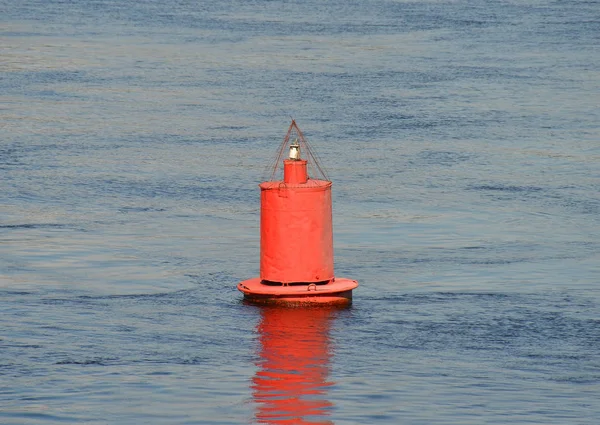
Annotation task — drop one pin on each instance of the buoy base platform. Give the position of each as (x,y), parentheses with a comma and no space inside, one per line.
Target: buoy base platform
(336,292)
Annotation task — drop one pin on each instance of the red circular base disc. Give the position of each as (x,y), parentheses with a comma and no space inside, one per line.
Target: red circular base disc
(337,292)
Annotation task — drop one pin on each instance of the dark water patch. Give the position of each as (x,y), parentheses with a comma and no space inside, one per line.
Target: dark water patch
(512,335)
(181,298)
(196,360)
(26,417)
(78,301)
(125,328)
(92,302)
(391,123)
(394,260)
(18,79)
(443,158)
(22,33)
(34,150)
(95,361)
(552,356)
(11,293)
(551,201)
(209,188)
(588,206)
(440,297)
(570,200)
(216,277)
(10,156)
(276,27)
(506,188)
(585,379)
(477,23)
(22,345)
(383,121)
(498,261)
(229,127)
(473,295)
(493,73)
(53,95)
(34,226)
(518,325)
(160,373)
(507,192)
(128,210)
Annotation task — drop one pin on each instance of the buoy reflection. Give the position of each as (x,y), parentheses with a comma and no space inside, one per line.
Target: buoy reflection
(291,384)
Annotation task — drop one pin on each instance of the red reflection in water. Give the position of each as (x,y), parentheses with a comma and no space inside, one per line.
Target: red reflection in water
(291,384)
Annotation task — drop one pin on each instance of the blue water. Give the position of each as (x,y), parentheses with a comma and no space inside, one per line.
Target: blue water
(463,140)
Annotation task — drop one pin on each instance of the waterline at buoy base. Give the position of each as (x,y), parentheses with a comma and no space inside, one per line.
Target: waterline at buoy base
(336,292)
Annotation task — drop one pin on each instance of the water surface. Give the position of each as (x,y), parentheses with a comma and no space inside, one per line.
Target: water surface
(462,138)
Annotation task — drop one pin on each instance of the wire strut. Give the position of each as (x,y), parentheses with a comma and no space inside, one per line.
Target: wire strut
(315,170)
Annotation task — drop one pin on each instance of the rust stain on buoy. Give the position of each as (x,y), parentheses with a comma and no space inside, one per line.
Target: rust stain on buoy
(296,236)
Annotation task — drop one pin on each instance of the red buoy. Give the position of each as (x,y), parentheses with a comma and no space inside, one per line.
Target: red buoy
(296,237)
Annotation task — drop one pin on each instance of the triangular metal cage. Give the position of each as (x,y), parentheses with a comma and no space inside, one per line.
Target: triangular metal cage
(295,135)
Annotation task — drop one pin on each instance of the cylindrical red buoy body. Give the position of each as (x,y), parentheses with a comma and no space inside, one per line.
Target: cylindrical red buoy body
(296,232)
